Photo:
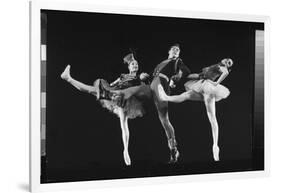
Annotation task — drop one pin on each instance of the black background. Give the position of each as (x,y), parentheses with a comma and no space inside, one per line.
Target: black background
(84,140)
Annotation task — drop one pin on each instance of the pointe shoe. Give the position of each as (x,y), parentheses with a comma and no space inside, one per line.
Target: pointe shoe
(127,158)
(216,152)
(66,73)
(174,156)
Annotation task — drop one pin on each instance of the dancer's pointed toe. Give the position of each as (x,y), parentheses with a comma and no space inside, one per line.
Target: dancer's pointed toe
(127,158)
(216,152)
(65,75)
(174,156)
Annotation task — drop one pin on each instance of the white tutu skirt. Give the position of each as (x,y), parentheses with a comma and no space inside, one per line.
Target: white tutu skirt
(205,87)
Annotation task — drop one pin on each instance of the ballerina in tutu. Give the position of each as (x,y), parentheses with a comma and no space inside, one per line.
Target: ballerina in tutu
(128,108)
(206,87)
(126,88)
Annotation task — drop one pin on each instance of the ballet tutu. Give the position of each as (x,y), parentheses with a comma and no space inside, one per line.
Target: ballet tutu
(133,107)
(204,86)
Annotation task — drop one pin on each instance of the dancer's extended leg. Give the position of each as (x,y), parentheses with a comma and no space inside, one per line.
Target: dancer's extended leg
(140,91)
(125,136)
(79,85)
(188,95)
(210,104)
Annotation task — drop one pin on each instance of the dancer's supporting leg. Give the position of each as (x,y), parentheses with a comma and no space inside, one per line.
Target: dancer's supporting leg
(170,132)
(79,85)
(210,104)
(125,135)
(162,108)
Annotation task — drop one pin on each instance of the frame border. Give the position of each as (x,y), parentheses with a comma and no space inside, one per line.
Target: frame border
(35,94)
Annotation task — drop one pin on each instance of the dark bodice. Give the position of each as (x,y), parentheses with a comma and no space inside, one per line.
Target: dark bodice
(127,80)
(211,72)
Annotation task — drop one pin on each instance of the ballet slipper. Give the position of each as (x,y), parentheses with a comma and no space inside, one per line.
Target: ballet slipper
(65,75)
(216,151)
(126,158)
(174,153)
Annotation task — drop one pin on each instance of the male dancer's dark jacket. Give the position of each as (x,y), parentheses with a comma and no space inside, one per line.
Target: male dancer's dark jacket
(171,69)
(167,70)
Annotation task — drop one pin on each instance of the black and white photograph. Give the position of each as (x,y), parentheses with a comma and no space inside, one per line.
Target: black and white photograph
(140,96)
(132,96)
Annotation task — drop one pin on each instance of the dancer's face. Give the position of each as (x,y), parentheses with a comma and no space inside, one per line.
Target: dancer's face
(227,62)
(174,52)
(133,66)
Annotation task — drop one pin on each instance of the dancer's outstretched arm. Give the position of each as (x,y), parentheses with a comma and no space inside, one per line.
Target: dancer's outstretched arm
(115,82)
(222,76)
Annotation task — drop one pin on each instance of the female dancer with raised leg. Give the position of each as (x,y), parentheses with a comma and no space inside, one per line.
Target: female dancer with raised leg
(206,87)
(132,108)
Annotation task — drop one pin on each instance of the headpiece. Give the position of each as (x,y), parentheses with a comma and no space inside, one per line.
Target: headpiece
(175,45)
(128,58)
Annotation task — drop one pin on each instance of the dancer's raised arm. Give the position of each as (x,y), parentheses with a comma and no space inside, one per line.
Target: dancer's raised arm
(223,68)
(222,76)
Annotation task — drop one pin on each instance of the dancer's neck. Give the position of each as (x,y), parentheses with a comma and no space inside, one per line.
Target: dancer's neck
(133,73)
(172,57)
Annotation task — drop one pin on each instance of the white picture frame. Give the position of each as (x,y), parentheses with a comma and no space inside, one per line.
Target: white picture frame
(36,97)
